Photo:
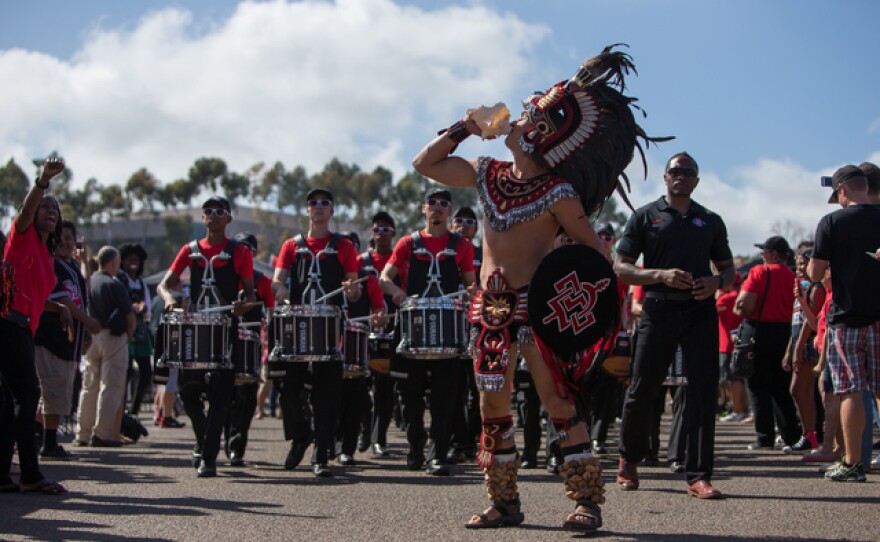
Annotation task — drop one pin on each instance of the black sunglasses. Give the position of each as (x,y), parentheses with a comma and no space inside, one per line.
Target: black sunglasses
(683,171)
(382,229)
(215,211)
(320,202)
(465,221)
(441,202)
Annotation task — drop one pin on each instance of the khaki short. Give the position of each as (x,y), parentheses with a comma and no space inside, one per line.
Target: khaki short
(56,382)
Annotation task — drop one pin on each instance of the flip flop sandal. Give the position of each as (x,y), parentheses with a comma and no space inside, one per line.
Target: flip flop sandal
(594,514)
(507,518)
(45,487)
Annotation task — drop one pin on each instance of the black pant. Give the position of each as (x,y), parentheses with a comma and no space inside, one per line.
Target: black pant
(602,396)
(531,415)
(664,326)
(675,448)
(442,385)
(217,386)
(139,382)
(350,414)
(466,422)
(383,404)
(326,383)
(238,420)
(769,386)
(19,396)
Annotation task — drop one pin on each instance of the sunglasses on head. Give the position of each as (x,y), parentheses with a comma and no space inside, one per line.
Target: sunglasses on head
(382,229)
(320,203)
(439,202)
(683,171)
(465,221)
(215,211)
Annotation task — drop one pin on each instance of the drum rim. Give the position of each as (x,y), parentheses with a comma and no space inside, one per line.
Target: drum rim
(436,303)
(195,319)
(321,311)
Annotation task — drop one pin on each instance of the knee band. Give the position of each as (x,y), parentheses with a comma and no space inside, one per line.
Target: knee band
(495,430)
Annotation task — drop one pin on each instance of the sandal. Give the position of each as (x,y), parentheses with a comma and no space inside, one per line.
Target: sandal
(510,517)
(577,523)
(44,487)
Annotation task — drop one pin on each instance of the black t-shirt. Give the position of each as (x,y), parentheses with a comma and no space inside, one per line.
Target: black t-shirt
(109,298)
(669,239)
(70,284)
(843,238)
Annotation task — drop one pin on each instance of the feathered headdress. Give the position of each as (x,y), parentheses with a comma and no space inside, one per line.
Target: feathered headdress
(584,130)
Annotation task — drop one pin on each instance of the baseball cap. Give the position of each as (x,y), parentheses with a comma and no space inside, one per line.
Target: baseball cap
(217,200)
(323,191)
(777,243)
(841,176)
(605,227)
(437,192)
(247,238)
(465,212)
(385,217)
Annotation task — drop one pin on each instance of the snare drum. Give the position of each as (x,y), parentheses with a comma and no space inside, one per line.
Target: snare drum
(381,348)
(619,363)
(300,333)
(195,340)
(432,328)
(250,352)
(354,350)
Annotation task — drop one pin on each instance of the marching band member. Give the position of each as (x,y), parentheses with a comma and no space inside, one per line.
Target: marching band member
(436,238)
(337,270)
(373,261)
(569,148)
(217,384)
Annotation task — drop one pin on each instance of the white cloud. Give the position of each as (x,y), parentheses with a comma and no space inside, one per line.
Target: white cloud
(296,82)
(874,127)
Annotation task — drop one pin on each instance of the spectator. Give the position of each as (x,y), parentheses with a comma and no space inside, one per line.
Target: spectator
(103,392)
(765,302)
(140,346)
(731,386)
(28,254)
(842,240)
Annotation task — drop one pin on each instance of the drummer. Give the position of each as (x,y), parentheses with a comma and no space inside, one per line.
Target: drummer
(337,270)
(569,148)
(216,385)
(355,400)
(382,385)
(244,400)
(436,238)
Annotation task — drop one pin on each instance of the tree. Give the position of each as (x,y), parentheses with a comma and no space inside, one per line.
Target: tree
(793,232)
(369,190)
(609,213)
(205,175)
(13,189)
(144,188)
(113,202)
(337,177)
(405,201)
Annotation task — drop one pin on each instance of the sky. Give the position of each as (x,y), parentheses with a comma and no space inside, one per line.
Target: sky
(767,95)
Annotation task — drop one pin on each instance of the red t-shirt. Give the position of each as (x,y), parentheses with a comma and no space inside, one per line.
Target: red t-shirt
(464,252)
(727,321)
(822,324)
(242,258)
(34,271)
(344,248)
(780,295)
(263,287)
(377,298)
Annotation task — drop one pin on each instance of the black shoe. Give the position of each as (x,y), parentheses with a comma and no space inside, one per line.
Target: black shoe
(58,452)
(208,469)
(321,470)
(345,459)
(676,467)
(529,463)
(98,442)
(295,455)
(414,462)
(553,465)
(236,460)
(651,461)
(379,450)
(436,468)
(196,458)
(599,447)
(362,444)
(455,456)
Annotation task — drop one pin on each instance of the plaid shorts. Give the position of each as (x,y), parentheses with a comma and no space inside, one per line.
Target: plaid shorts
(854,358)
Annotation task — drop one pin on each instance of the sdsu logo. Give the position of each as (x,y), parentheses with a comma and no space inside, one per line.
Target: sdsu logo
(572,307)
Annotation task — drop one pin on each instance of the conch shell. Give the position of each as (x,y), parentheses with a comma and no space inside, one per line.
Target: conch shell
(493,121)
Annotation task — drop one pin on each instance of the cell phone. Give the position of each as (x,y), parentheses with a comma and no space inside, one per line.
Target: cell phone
(827,181)
(79,245)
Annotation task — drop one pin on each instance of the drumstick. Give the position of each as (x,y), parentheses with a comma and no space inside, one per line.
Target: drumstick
(249,324)
(337,290)
(224,308)
(453,294)
(365,318)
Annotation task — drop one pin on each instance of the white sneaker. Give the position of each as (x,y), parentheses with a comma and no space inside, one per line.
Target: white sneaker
(733,417)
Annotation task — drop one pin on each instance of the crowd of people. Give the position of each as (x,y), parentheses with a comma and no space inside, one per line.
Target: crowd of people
(342,341)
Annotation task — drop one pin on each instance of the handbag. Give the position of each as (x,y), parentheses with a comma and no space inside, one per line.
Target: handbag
(742,360)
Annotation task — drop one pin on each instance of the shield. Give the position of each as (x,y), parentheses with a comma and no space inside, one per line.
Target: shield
(573,299)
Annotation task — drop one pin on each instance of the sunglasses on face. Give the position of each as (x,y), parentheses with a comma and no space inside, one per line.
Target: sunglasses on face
(465,221)
(682,171)
(215,211)
(320,203)
(606,236)
(439,202)
(382,229)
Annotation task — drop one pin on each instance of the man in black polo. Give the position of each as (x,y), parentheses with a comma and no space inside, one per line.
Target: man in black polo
(678,238)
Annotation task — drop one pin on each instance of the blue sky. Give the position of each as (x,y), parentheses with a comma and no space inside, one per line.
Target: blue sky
(767,95)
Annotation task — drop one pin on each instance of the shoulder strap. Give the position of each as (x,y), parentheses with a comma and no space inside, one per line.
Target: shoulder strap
(300,241)
(334,240)
(454,238)
(230,247)
(194,248)
(417,240)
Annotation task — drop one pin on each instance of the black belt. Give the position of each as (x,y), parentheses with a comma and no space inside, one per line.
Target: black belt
(670,296)
(18,318)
